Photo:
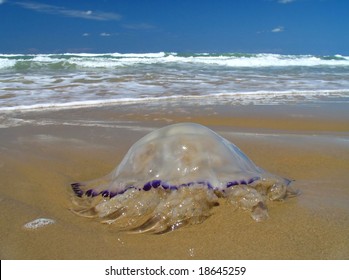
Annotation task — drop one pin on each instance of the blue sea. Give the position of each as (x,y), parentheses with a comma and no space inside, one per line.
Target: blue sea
(73,80)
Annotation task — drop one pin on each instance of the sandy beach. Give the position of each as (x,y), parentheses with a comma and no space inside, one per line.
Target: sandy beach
(41,153)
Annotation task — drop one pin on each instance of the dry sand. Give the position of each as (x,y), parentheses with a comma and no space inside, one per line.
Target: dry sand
(45,152)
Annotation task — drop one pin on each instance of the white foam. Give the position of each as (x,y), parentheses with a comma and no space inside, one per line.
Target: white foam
(117,55)
(246,97)
(112,60)
(140,55)
(87,103)
(265,60)
(38,223)
(6,63)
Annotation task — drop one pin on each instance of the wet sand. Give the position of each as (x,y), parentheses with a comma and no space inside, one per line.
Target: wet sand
(42,153)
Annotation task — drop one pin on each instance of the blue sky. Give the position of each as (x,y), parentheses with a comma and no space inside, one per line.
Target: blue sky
(249,26)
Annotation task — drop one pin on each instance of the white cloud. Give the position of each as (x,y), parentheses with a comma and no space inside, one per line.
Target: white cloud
(104,34)
(57,10)
(278,29)
(285,1)
(86,34)
(2,1)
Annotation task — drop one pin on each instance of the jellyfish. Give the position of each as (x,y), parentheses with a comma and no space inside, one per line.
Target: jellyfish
(173,177)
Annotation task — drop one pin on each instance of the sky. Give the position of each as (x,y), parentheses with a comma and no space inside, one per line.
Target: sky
(318,27)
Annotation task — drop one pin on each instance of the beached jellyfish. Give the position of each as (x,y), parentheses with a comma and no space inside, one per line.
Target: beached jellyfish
(172,177)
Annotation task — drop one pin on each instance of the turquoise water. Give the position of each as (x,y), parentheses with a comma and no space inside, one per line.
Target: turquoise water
(46,81)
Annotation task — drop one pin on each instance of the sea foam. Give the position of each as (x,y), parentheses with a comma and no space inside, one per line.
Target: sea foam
(38,223)
(113,60)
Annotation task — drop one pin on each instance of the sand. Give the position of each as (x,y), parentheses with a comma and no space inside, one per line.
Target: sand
(44,152)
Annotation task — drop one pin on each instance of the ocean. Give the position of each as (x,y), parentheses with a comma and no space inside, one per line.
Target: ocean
(73,80)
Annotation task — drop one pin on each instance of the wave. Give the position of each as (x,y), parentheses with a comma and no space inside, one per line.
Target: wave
(248,97)
(78,61)
(72,80)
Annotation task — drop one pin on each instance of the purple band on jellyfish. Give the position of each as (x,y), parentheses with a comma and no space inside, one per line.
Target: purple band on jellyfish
(105,193)
(253,180)
(121,192)
(155,184)
(77,190)
(232,183)
(147,186)
(165,186)
(89,192)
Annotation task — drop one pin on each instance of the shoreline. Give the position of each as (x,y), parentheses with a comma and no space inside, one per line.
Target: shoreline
(44,152)
(305,117)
